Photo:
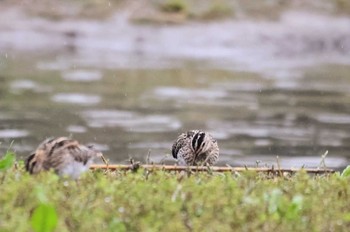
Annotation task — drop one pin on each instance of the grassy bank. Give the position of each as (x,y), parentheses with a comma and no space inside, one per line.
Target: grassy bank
(163,201)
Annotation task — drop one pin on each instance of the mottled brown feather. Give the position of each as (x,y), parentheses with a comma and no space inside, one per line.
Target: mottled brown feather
(57,154)
(195,147)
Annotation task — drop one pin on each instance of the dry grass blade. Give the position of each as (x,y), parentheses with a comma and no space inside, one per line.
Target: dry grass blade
(123,167)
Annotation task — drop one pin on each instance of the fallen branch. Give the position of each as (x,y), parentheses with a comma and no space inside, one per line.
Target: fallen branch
(122,167)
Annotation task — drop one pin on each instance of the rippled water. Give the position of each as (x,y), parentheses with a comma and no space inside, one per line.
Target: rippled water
(129,112)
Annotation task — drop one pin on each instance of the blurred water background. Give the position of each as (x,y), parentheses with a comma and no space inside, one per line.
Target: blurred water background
(130,82)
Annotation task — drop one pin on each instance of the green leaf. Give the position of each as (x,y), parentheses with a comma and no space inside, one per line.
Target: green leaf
(274,200)
(346,217)
(294,208)
(7,161)
(40,193)
(44,218)
(116,225)
(346,172)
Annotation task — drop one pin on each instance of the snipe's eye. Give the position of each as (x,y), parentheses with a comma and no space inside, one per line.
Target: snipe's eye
(60,144)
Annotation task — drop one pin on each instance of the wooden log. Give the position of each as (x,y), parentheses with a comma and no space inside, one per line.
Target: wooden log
(123,167)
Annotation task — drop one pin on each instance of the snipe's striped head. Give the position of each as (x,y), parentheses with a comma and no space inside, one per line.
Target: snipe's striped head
(64,155)
(201,142)
(195,147)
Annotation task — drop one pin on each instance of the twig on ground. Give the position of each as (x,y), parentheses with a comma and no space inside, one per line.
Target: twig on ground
(279,165)
(133,166)
(148,159)
(323,160)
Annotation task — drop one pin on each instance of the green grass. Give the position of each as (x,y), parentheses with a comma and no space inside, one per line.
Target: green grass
(162,201)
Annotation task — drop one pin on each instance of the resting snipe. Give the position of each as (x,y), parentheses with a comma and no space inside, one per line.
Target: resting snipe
(195,147)
(64,155)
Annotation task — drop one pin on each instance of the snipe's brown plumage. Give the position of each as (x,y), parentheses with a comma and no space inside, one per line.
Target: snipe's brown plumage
(67,157)
(194,148)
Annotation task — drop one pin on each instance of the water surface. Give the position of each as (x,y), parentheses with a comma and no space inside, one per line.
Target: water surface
(128,112)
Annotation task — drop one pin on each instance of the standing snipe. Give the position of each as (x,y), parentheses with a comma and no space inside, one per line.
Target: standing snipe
(64,155)
(195,148)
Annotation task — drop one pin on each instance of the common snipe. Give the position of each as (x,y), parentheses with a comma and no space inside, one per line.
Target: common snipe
(64,155)
(195,147)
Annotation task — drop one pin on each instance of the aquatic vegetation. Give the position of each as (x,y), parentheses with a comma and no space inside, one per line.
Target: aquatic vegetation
(166,201)
(173,5)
